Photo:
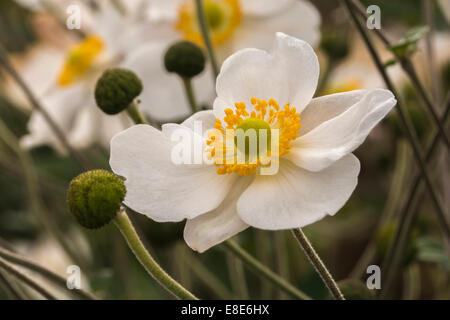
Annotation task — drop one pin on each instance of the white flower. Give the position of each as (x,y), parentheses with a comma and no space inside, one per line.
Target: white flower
(234,25)
(317,171)
(64,79)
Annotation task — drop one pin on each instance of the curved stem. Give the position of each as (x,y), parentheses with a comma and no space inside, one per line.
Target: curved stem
(57,279)
(135,113)
(265,272)
(408,214)
(25,279)
(400,176)
(31,184)
(317,263)
(237,276)
(208,278)
(151,266)
(206,36)
(9,287)
(406,123)
(190,94)
(37,107)
(409,69)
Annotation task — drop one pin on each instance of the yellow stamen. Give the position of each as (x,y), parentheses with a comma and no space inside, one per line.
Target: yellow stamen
(223,16)
(267,114)
(80,59)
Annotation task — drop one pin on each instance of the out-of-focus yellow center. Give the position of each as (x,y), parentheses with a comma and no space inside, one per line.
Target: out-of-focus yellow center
(79,59)
(352,84)
(267,115)
(222,16)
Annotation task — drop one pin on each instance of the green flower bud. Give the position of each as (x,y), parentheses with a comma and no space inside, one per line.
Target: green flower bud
(94,197)
(335,44)
(116,89)
(354,290)
(185,59)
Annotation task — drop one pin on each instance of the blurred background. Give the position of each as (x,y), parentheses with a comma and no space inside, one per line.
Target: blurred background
(35,222)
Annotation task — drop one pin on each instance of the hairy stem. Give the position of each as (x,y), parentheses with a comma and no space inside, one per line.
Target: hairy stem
(151,266)
(318,264)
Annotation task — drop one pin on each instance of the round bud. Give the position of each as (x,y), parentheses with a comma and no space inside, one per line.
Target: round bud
(185,59)
(116,89)
(335,44)
(94,197)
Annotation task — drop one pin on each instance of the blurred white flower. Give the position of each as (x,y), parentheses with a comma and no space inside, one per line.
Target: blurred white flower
(234,25)
(317,170)
(64,79)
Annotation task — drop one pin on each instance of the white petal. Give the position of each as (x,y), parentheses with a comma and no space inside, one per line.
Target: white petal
(40,72)
(295,197)
(62,105)
(263,7)
(92,125)
(206,118)
(337,125)
(163,97)
(257,32)
(288,74)
(212,228)
(164,10)
(155,185)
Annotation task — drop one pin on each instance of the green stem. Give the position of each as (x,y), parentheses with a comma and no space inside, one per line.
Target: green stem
(406,122)
(37,107)
(9,287)
(208,278)
(407,215)
(31,182)
(25,279)
(401,173)
(151,266)
(282,257)
(317,263)
(135,113)
(190,95)
(237,276)
(120,7)
(409,69)
(263,271)
(57,279)
(203,23)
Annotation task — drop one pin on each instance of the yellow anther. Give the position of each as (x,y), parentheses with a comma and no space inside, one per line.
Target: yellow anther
(79,60)
(287,121)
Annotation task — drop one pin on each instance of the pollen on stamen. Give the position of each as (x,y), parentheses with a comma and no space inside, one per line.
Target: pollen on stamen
(286,120)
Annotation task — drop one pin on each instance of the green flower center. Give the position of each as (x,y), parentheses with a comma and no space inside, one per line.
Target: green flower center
(214,14)
(253,130)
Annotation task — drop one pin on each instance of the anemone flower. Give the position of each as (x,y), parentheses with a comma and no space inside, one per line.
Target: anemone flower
(317,171)
(64,79)
(233,25)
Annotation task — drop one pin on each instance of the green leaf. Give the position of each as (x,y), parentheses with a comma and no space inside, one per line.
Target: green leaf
(406,46)
(430,250)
